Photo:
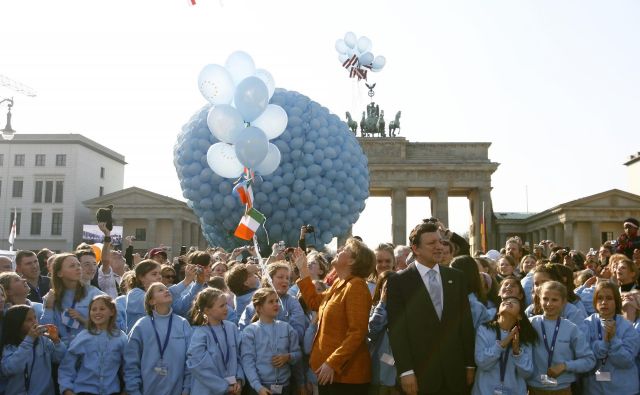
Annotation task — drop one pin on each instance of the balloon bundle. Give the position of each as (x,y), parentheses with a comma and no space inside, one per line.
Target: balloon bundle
(355,56)
(244,122)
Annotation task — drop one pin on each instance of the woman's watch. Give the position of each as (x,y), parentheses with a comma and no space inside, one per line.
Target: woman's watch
(107,239)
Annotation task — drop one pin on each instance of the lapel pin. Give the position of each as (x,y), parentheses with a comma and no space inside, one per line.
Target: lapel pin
(450,281)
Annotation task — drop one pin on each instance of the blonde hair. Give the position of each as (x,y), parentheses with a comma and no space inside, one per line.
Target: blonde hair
(273,268)
(552,285)
(205,299)
(259,298)
(148,307)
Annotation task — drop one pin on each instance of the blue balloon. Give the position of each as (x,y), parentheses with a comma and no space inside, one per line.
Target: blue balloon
(251,98)
(251,146)
(322,179)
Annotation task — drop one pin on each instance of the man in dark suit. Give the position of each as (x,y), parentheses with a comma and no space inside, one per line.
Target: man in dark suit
(28,267)
(430,325)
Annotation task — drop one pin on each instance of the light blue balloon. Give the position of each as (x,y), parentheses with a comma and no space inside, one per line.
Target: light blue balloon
(251,98)
(251,146)
(225,122)
(270,162)
(365,59)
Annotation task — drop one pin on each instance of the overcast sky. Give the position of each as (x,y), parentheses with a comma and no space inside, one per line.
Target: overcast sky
(553,85)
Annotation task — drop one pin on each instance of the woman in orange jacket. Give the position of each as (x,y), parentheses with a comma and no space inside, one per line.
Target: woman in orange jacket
(339,355)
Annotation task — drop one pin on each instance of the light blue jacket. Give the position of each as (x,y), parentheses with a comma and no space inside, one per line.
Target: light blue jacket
(479,312)
(620,354)
(527,285)
(142,356)
(260,342)
(572,349)
(206,363)
(18,360)
(290,312)
(93,363)
(307,345)
(134,304)
(242,302)
(381,372)
(570,312)
(487,355)
(586,297)
(54,316)
(121,315)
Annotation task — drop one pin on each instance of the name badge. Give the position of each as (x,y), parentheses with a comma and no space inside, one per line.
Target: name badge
(603,376)
(388,359)
(231,380)
(548,381)
(68,321)
(502,390)
(161,368)
(276,388)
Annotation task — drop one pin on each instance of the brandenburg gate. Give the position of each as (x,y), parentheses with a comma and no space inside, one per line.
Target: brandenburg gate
(399,168)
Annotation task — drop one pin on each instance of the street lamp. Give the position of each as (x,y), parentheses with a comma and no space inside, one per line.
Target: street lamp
(8,132)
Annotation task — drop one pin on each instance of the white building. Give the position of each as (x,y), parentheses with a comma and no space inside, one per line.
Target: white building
(633,169)
(46,178)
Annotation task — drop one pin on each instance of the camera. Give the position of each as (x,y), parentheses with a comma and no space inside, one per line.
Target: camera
(199,270)
(309,228)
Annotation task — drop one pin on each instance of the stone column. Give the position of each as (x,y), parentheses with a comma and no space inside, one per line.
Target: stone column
(568,234)
(551,235)
(186,233)
(543,234)
(485,197)
(151,232)
(476,220)
(342,240)
(399,215)
(176,236)
(536,237)
(440,204)
(559,232)
(596,237)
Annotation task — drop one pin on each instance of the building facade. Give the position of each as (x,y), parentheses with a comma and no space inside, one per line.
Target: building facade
(579,224)
(633,171)
(44,179)
(153,219)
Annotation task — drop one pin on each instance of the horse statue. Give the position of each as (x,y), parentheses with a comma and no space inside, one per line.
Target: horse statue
(362,123)
(380,125)
(353,125)
(395,124)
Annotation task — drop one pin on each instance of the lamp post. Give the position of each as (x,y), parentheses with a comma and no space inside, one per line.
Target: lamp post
(8,132)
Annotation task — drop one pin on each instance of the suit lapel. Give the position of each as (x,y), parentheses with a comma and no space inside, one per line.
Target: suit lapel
(447,283)
(421,293)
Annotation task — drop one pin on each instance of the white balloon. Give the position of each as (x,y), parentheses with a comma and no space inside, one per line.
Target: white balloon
(350,39)
(270,162)
(341,46)
(343,57)
(364,44)
(268,80)
(223,161)
(378,63)
(240,65)
(225,122)
(273,121)
(365,59)
(215,84)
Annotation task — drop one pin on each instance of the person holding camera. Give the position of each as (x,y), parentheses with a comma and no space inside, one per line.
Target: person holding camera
(629,241)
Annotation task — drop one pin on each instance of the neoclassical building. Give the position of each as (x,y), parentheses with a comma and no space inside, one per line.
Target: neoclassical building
(152,218)
(579,224)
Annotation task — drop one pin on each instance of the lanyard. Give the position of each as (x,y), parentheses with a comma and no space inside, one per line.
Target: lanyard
(225,357)
(604,360)
(551,349)
(166,339)
(504,357)
(29,372)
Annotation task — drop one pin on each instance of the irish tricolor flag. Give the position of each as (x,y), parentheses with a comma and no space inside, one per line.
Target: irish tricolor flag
(249,224)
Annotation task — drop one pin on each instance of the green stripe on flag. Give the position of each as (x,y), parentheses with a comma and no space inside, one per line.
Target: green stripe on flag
(256,215)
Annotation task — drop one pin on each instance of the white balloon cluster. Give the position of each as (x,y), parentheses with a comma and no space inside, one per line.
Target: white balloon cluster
(352,46)
(241,116)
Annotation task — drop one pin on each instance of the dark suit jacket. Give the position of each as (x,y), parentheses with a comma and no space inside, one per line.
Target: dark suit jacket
(438,351)
(44,285)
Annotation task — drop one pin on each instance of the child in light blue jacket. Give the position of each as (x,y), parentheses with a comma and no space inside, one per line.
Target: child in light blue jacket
(28,352)
(93,363)
(155,355)
(67,304)
(615,344)
(383,371)
(269,348)
(213,356)
(563,352)
(503,351)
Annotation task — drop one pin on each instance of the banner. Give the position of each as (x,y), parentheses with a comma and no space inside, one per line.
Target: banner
(93,234)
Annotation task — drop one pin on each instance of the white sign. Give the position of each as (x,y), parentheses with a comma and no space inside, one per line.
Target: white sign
(91,233)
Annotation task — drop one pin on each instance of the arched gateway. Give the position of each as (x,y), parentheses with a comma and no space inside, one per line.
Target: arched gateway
(398,168)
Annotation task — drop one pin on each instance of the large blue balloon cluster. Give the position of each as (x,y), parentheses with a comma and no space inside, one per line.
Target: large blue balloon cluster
(322,180)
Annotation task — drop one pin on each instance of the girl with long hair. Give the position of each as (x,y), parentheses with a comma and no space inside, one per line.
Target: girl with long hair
(155,355)
(214,351)
(67,303)
(503,351)
(269,347)
(383,371)
(475,290)
(93,363)
(28,352)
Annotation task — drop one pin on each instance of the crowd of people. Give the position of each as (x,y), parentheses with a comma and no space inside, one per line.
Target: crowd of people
(425,318)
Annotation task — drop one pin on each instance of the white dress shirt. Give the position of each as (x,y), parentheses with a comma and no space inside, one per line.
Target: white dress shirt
(424,275)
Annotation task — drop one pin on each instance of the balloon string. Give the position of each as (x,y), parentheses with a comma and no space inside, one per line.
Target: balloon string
(263,267)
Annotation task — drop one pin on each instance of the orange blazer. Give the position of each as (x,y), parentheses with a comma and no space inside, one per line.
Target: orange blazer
(343,319)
